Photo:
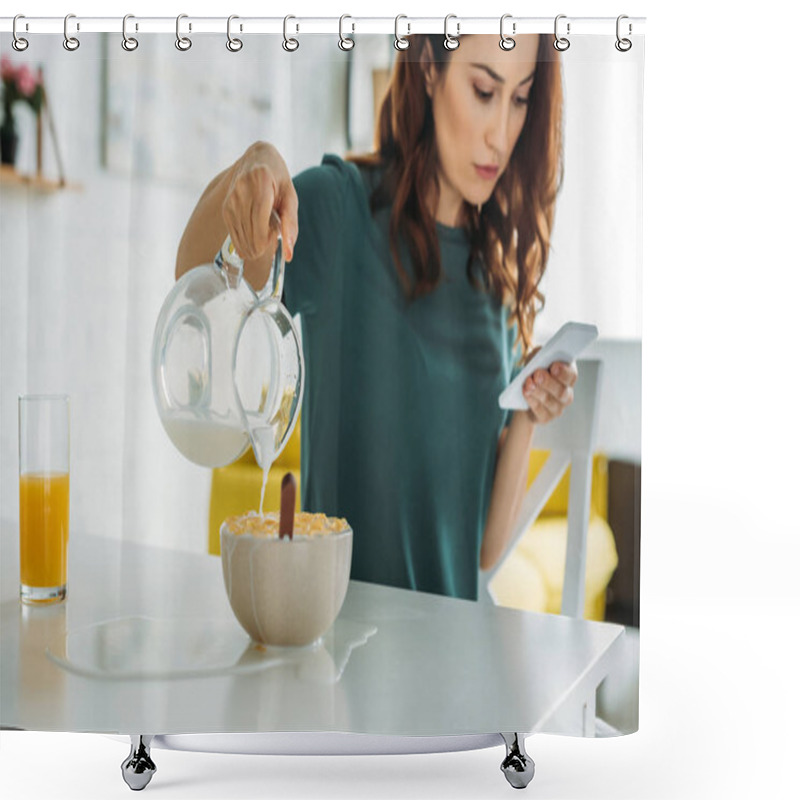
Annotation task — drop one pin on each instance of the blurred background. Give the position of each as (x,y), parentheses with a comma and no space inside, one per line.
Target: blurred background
(104,176)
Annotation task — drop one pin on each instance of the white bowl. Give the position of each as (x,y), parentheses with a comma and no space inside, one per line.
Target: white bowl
(286,592)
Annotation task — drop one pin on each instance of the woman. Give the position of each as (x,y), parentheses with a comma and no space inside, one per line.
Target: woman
(415,271)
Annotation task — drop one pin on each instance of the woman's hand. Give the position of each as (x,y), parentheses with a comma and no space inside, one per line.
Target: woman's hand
(548,392)
(260,181)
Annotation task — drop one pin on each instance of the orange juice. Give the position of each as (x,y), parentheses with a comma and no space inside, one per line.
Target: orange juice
(43,528)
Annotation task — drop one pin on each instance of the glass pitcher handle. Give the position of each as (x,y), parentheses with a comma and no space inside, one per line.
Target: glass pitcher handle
(232,264)
(274,286)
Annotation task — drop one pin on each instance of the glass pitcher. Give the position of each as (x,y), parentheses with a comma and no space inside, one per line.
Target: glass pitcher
(227,365)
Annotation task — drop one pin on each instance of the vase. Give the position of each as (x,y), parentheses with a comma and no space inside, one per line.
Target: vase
(9,139)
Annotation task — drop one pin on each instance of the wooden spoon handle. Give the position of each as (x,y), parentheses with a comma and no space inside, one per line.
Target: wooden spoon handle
(288,493)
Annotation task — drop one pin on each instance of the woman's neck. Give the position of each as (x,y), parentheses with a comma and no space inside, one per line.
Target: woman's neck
(449,209)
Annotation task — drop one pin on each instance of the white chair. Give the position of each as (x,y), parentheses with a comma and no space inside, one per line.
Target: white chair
(570,440)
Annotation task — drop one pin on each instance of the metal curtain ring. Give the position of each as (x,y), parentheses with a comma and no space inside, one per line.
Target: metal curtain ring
(400,42)
(71,43)
(451,42)
(560,43)
(345,43)
(506,42)
(289,44)
(234,45)
(19,44)
(623,45)
(183,43)
(128,42)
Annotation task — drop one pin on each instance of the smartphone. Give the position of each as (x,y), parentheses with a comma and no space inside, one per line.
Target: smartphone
(565,345)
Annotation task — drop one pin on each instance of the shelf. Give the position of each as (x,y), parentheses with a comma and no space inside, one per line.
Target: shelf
(11,176)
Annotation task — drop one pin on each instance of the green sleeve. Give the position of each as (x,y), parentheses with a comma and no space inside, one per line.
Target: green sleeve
(513,364)
(323,194)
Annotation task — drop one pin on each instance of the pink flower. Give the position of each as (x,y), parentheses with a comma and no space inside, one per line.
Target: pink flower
(26,81)
(8,72)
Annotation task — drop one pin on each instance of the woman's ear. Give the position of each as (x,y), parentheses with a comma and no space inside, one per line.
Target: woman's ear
(428,66)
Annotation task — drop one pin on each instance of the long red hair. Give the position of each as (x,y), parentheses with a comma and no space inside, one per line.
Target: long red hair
(510,234)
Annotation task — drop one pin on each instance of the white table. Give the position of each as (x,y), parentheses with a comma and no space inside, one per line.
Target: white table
(404,668)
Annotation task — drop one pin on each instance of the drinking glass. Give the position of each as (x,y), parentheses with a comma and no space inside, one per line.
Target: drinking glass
(43,497)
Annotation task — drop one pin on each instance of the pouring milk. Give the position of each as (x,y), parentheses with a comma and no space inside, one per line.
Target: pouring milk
(227,366)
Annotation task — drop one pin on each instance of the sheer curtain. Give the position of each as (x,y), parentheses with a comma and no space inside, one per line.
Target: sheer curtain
(594,270)
(86,268)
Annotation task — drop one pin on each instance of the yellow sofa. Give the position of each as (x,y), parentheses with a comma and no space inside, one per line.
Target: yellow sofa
(533,574)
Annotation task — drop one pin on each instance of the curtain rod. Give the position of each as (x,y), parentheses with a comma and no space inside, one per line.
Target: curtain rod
(326,25)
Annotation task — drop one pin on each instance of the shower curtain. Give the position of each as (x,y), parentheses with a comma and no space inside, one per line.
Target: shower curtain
(112,154)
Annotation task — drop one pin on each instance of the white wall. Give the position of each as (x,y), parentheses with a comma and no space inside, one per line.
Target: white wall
(594,273)
(84,273)
(619,419)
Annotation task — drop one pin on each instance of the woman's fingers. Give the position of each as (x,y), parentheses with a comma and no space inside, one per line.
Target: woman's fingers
(245,194)
(549,392)
(282,196)
(552,388)
(534,397)
(234,227)
(566,373)
(261,204)
(544,406)
(257,199)
(261,182)
(287,211)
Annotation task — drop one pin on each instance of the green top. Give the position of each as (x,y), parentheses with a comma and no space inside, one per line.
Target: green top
(400,413)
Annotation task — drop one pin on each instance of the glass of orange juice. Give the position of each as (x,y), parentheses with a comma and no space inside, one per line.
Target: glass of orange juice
(43,497)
